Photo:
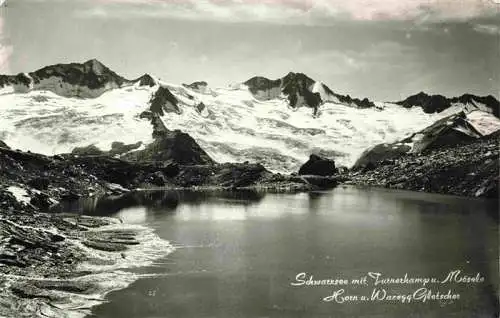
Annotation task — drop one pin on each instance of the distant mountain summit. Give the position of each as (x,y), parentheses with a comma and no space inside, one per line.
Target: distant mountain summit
(438,103)
(146,80)
(87,80)
(300,90)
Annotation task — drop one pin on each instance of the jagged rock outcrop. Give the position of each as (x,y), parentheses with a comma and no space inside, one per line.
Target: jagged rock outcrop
(318,166)
(118,147)
(300,90)
(199,86)
(163,101)
(20,83)
(438,103)
(146,80)
(85,80)
(201,108)
(263,88)
(173,146)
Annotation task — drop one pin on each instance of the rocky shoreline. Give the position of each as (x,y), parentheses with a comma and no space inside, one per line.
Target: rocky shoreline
(41,253)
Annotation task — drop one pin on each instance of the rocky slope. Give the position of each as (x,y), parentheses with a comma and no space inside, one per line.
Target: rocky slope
(470,169)
(438,103)
(43,255)
(458,154)
(456,129)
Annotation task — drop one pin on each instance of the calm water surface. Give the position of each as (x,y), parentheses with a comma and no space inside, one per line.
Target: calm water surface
(239,253)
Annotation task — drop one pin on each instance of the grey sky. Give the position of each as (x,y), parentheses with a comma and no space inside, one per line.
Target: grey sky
(381,49)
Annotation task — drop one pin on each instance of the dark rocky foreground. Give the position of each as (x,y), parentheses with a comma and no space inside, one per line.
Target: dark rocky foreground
(41,253)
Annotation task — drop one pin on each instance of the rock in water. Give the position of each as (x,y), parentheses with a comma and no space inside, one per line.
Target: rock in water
(318,166)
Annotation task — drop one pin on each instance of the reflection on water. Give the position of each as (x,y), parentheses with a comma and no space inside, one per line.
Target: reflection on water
(239,251)
(157,201)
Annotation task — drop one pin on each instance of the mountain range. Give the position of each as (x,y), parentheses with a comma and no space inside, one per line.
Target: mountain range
(278,123)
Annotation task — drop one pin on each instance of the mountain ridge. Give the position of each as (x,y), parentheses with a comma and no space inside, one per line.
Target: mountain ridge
(92,78)
(438,103)
(300,90)
(89,79)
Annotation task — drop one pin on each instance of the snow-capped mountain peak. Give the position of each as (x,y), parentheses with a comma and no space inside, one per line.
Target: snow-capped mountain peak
(85,80)
(301,90)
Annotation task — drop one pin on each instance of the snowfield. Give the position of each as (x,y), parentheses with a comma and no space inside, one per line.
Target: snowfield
(43,122)
(232,127)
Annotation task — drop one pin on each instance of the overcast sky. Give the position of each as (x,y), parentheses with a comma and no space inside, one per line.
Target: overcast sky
(381,49)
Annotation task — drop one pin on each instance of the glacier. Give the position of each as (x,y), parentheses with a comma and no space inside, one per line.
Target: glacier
(233,126)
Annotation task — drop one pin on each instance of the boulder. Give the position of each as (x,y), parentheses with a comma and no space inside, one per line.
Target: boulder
(318,166)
